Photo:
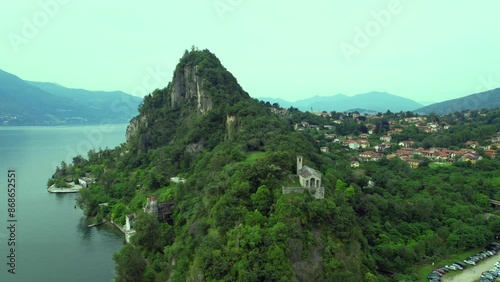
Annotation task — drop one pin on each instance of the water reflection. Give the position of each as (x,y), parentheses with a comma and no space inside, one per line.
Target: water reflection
(83,230)
(59,196)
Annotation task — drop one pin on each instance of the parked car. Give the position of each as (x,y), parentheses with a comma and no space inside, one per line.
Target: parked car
(470,262)
(451,267)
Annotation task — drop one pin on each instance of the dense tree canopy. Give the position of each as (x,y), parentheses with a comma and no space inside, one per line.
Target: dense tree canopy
(231,221)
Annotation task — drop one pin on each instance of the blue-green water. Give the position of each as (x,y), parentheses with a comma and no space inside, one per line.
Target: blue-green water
(53,242)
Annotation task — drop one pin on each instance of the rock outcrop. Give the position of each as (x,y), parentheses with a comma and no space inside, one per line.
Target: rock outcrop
(134,125)
(200,93)
(188,84)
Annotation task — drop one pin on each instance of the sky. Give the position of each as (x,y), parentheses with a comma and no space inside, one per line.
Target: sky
(424,50)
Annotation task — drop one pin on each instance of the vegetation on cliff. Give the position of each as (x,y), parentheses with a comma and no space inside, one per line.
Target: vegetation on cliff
(231,221)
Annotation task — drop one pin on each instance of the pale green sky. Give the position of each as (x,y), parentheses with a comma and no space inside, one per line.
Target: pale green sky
(421,49)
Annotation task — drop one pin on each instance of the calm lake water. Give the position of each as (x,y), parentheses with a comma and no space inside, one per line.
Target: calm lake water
(53,242)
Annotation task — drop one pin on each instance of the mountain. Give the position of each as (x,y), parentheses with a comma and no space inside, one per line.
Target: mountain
(99,100)
(218,188)
(25,104)
(372,101)
(38,103)
(201,85)
(484,100)
(229,220)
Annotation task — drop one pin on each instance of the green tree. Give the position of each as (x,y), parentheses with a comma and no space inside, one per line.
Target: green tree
(262,199)
(130,265)
(148,233)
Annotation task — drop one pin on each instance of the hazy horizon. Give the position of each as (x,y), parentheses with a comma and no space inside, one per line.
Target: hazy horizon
(421,50)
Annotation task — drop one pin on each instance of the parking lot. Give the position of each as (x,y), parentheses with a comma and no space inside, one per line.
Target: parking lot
(483,266)
(472,273)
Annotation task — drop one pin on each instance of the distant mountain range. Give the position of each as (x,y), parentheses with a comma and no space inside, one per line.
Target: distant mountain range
(484,100)
(371,102)
(374,102)
(40,103)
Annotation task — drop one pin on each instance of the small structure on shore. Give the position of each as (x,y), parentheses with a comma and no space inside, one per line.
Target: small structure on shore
(129,221)
(86,181)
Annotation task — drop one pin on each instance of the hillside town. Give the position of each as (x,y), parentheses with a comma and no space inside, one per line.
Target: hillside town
(390,136)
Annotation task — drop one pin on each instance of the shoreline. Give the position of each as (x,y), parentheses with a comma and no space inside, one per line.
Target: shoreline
(127,234)
(75,188)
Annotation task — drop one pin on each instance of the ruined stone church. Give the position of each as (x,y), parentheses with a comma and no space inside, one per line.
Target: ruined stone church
(309,179)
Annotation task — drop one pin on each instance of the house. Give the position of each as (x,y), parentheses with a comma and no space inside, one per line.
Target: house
(491,153)
(330,136)
(424,128)
(386,138)
(354,164)
(364,144)
(443,156)
(472,144)
(382,147)
(329,127)
(325,149)
(406,144)
(471,158)
(367,154)
(427,153)
(86,181)
(414,163)
(354,145)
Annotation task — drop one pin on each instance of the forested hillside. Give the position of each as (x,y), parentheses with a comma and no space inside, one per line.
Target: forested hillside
(484,100)
(230,220)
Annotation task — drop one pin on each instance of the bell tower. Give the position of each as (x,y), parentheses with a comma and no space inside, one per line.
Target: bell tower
(299,164)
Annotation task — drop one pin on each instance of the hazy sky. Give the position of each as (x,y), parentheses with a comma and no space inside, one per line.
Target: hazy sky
(421,49)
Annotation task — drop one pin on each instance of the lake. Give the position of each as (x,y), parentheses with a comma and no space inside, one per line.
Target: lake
(53,242)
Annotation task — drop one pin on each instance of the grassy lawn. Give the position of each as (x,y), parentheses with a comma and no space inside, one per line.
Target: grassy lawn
(292,181)
(435,165)
(253,157)
(426,269)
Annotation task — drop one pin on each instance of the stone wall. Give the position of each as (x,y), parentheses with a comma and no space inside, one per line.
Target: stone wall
(317,192)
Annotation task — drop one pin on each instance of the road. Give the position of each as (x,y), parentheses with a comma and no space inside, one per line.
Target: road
(472,273)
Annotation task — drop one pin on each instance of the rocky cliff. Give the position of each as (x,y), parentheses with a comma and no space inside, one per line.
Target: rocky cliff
(188,84)
(200,86)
